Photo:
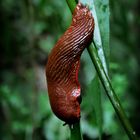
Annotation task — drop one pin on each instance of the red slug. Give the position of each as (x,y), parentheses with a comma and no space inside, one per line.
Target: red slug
(63,66)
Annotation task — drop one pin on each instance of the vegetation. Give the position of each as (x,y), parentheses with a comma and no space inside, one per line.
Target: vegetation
(29,29)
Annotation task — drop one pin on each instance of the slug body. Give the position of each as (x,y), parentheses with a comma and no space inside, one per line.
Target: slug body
(63,66)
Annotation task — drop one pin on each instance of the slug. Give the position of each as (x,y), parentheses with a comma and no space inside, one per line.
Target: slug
(63,66)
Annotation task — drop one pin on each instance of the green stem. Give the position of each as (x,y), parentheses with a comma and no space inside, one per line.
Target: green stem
(75,132)
(110,92)
(71,4)
(107,85)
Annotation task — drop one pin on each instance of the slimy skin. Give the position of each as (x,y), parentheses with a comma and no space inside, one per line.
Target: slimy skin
(63,66)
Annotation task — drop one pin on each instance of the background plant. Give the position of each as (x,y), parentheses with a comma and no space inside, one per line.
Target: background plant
(29,29)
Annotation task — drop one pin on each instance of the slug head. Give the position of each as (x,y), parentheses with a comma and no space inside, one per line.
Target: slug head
(81,12)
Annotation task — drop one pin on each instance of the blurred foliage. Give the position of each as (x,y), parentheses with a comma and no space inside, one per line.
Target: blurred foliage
(29,29)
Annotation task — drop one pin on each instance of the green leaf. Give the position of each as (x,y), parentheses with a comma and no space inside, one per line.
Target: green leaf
(100,12)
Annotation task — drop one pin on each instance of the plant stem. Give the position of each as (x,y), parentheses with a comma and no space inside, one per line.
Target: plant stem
(75,132)
(110,92)
(107,85)
(71,4)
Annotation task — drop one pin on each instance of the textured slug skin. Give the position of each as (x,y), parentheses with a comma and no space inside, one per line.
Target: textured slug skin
(63,66)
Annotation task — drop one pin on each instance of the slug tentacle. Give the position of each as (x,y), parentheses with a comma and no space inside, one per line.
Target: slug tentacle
(63,66)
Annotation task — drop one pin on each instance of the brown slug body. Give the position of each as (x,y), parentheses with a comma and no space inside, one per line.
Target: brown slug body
(63,66)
